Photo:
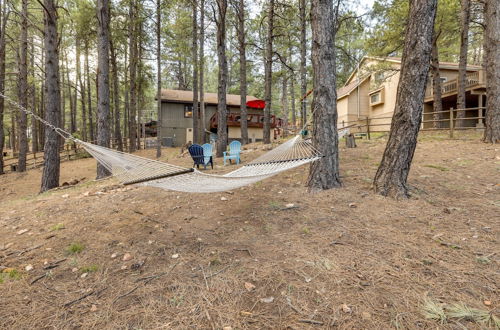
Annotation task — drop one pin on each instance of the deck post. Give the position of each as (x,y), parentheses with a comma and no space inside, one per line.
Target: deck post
(451,122)
(480,112)
(368,127)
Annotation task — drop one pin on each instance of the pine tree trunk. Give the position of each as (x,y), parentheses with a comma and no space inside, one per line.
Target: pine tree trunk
(116,98)
(492,68)
(268,73)
(292,88)
(126,111)
(243,70)
(324,173)
(81,88)
(103,118)
(436,84)
(22,124)
(140,81)
(392,174)
(462,65)
(203,118)
(72,100)
(133,73)
(222,87)
(303,45)
(89,94)
(3,23)
(34,123)
(51,168)
(284,101)
(158,78)
(196,116)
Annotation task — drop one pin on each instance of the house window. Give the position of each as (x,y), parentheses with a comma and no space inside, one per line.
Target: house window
(375,98)
(443,79)
(188,111)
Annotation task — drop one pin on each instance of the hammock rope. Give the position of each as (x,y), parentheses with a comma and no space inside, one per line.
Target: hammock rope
(133,169)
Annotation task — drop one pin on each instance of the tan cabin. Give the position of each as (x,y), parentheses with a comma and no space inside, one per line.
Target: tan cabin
(369,95)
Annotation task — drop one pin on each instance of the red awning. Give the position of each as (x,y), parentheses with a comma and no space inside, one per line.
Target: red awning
(256,104)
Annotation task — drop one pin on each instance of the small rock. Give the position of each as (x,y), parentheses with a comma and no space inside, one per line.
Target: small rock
(74,270)
(123,267)
(227,328)
(475,236)
(366,315)
(223,199)
(353,205)
(28,268)
(267,300)
(84,275)
(65,196)
(175,256)
(289,206)
(249,286)
(22,231)
(86,193)
(114,255)
(150,242)
(487,302)
(93,308)
(346,309)
(127,257)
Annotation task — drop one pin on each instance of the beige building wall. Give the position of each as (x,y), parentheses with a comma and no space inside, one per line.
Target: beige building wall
(254,134)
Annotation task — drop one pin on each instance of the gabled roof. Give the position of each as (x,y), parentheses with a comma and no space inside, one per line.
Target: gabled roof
(179,96)
(347,89)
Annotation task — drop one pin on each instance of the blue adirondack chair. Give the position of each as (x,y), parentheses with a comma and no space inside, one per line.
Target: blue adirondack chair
(196,152)
(207,155)
(233,153)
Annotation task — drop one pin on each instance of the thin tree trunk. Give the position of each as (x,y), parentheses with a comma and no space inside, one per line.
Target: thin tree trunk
(268,73)
(392,174)
(34,123)
(222,86)
(23,90)
(72,101)
(303,45)
(3,23)
(436,83)
(240,11)
(196,122)
(81,88)
(462,66)
(492,68)
(51,169)
(324,173)
(126,111)
(140,89)
(158,78)
(284,101)
(89,93)
(116,97)
(12,136)
(103,127)
(202,70)
(133,73)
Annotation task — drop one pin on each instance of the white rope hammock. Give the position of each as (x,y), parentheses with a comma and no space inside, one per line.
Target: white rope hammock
(132,169)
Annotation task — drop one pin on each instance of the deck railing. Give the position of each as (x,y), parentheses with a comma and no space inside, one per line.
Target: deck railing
(472,79)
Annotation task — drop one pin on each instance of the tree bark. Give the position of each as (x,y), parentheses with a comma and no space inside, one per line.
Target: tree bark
(222,86)
(196,115)
(268,73)
(89,93)
(103,127)
(51,168)
(284,100)
(22,124)
(303,45)
(240,12)
(116,97)
(294,111)
(3,24)
(324,173)
(462,65)
(392,174)
(158,77)
(32,87)
(436,84)
(133,73)
(81,88)
(202,70)
(492,68)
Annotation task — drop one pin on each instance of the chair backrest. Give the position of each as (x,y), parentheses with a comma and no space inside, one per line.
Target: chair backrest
(196,152)
(207,152)
(235,147)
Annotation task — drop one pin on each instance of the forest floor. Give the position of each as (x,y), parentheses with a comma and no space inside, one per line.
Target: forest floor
(99,255)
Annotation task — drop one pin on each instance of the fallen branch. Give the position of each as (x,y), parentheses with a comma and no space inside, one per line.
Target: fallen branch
(54,264)
(220,271)
(38,279)
(311,321)
(245,250)
(28,250)
(83,297)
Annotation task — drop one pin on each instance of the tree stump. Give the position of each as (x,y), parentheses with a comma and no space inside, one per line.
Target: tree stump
(350,141)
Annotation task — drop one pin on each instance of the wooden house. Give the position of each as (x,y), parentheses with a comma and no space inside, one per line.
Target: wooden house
(177,117)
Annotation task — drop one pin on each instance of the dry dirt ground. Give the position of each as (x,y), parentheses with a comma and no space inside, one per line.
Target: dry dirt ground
(99,255)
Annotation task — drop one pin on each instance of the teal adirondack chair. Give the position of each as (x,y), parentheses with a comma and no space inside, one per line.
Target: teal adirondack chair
(207,154)
(233,153)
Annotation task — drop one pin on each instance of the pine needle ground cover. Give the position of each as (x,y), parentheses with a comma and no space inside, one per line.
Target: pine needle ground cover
(263,256)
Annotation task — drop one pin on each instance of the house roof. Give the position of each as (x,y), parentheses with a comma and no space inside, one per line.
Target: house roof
(347,89)
(179,96)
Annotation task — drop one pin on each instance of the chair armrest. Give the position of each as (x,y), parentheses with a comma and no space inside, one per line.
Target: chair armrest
(224,153)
